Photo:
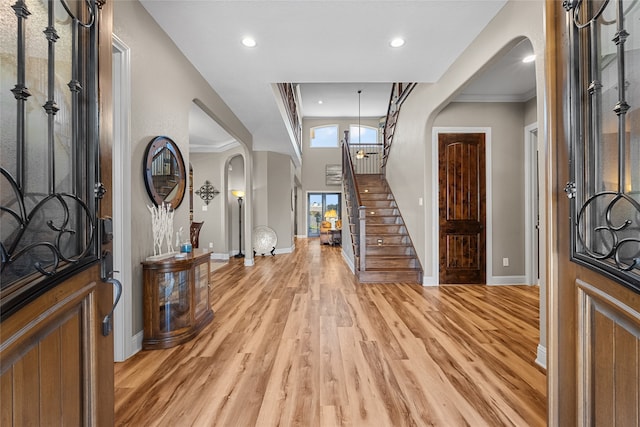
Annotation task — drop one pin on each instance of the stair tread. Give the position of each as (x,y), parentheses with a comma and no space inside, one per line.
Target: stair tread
(395,260)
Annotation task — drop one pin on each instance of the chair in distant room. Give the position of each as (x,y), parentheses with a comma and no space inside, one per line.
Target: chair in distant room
(325,233)
(194,233)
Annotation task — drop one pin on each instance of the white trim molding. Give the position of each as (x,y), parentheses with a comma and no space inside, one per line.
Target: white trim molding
(507,280)
(349,262)
(283,251)
(136,341)
(430,281)
(125,344)
(541,359)
(532,250)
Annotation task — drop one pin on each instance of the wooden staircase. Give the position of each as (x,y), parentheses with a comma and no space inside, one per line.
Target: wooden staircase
(390,255)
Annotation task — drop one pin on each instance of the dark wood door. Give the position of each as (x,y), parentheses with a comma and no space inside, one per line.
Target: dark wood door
(462,208)
(56,363)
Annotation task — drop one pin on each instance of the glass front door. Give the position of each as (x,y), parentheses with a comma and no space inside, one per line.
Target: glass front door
(322,207)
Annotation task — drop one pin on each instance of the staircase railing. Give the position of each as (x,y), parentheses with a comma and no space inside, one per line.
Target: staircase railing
(399,93)
(368,158)
(356,210)
(290,99)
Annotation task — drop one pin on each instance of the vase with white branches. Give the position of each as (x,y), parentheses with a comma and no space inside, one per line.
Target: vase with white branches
(162,227)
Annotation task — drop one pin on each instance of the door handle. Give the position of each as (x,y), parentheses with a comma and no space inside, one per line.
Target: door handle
(106,274)
(106,321)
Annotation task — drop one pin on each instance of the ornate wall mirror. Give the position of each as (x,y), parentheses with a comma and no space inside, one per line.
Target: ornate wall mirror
(164,172)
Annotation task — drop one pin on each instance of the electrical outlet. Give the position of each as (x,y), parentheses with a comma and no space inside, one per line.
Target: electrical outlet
(211,245)
(420,201)
(505,262)
(205,208)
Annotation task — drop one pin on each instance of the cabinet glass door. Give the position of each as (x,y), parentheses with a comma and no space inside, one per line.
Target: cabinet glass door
(174,300)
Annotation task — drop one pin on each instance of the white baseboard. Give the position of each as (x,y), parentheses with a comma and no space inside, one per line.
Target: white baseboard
(507,280)
(541,360)
(349,262)
(217,255)
(301,236)
(285,250)
(278,251)
(491,281)
(136,342)
(430,281)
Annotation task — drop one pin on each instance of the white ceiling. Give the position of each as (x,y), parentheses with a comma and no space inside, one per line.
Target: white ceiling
(332,48)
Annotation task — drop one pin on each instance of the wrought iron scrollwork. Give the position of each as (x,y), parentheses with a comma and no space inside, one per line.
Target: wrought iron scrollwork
(21,244)
(606,210)
(613,243)
(48,204)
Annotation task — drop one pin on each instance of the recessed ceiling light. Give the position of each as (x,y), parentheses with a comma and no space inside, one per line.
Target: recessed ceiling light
(529,58)
(397,42)
(320,102)
(249,42)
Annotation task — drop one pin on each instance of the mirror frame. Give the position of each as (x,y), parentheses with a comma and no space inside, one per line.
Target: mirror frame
(156,144)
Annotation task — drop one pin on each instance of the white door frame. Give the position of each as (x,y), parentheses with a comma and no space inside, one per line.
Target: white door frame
(531,203)
(125,344)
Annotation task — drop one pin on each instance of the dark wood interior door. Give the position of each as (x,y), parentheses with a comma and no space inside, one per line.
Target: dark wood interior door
(462,208)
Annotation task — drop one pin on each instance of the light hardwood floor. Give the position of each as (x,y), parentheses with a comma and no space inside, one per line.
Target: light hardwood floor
(296,341)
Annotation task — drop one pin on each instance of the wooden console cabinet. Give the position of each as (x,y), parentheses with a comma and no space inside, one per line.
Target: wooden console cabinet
(176,299)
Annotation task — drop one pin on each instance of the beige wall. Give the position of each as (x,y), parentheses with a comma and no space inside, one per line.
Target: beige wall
(272,187)
(218,224)
(260,191)
(506,169)
(409,169)
(315,160)
(280,175)
(163,87)
(531,111)
(235,181)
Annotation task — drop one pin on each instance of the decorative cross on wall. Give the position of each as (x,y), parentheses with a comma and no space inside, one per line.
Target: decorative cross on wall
(207,192)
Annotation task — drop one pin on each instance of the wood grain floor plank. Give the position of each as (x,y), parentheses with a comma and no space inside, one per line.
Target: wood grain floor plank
(364,405)
(296,341)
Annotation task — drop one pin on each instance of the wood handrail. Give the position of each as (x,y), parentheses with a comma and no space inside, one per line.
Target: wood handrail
(348,160)
(358,239)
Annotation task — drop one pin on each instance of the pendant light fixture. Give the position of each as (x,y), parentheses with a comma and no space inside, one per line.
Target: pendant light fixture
(360,153)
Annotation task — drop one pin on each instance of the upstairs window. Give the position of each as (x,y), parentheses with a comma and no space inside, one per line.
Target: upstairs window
(324,136)
(363,135)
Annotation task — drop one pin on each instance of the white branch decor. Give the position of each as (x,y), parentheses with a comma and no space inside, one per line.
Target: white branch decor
(162,227)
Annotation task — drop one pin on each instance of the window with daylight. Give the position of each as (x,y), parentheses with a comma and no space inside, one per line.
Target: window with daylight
(324,136)
(363,135)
